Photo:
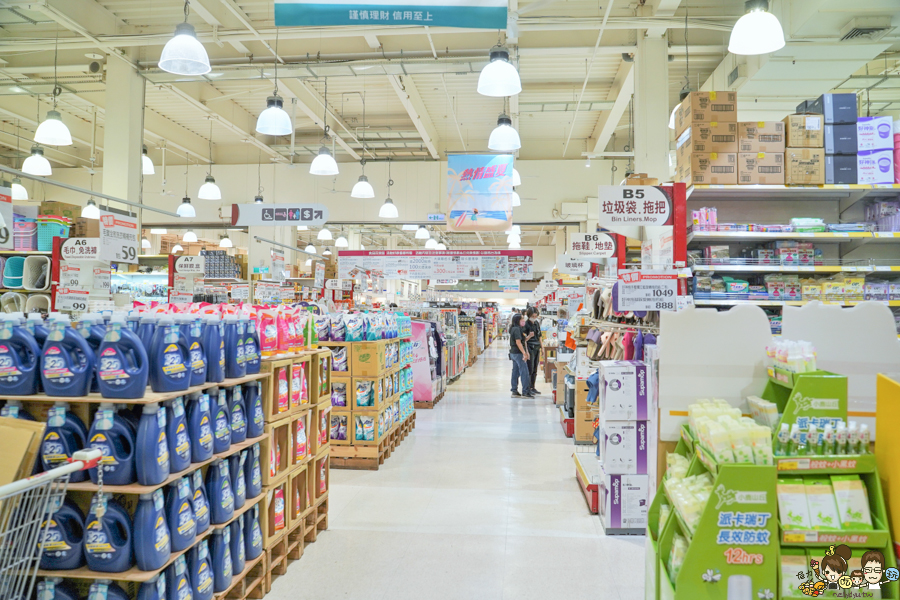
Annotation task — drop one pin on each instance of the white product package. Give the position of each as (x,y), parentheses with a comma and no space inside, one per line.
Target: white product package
(875,166)
(628,447)
(624,501)
(874,133)
(624,390)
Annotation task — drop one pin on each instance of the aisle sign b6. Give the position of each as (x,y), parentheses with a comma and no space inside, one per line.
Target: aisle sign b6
(591,245)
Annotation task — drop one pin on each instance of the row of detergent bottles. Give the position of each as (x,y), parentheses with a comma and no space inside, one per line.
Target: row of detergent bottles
(118,354)
(149,442)
(109,540)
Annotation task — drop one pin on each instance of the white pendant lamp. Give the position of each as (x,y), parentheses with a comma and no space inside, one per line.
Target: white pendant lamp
(226,242)
(516,200)
(327,252)
(513,237)
(209,190)
(302,227)
(145,243)
(36,164)
(146,163)
(341,242)
(52,131)
(441,246)
(504,138)
(310,248)
(757,32)
(90,210)
(388,210)
(516,229)
(517,181)
(514,245)
(274,120)
(362,188)
(159,231)
(184,54)
(361,247)
(18,190)
(257,199)
(499,77)
(410,228)
(324,235)
(422,233)
(189,236)
(324,164)
(431,244)
(177,248)
(308,262)
(186,209)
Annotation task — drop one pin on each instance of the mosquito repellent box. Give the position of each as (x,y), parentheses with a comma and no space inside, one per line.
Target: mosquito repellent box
(624,390)
(627,447)
(624,500)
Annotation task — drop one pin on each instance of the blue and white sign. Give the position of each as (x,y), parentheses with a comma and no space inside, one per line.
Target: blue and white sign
(478,14)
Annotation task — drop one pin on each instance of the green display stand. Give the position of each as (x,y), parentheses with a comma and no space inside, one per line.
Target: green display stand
(815,398)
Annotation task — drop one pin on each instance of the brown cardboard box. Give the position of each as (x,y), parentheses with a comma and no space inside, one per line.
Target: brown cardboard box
(60,209)
(708,137)
(804,131)
(709,169)
(85,228)
(20,442)
(584,427)
(761,168)
(804,166)
(706,107)
(761,136)
(641,179)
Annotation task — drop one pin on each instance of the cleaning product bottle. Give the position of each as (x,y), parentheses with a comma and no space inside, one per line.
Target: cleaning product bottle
(278,509)
(840,438)
(63,537)
(238,551)
(214,345)
(62,438)
(152,544)
(105,589)
(93,329)
(55,588)
(200,571)
(13,409)
(107,537)
(221,421)
(199,502)
(178,586)
(154,588)
(123,366)
(180,514)
(192,328)
(251,346)
(296,384)
(234,342)
(146,330)
(133,320)
(177,435)
(219,492)
(200,427)
(67,361)
(252,533)
(19,358)
(256,420)
(238,414)
(864,438)
(252,471)
(114,438)
(852,438)
(828,440)
(283,404)
(221,559)
(169,358)
(238,481)
(152,452)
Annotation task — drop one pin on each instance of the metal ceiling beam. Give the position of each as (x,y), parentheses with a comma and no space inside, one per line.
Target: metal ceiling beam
(620,93)
(206,10)
(660,8)
(313,105)
(232,6)
(415,107)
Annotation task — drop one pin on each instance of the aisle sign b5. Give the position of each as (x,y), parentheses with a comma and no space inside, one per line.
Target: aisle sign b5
(634,205)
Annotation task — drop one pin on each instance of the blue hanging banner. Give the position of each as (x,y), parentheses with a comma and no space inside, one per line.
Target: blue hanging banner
(473,14)
(479,192)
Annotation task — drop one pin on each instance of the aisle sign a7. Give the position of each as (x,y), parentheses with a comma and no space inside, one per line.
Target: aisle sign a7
(633,205)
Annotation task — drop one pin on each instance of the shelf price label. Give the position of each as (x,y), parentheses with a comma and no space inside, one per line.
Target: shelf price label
(118,238)
(71,299)
(647,291)
(175,296)
(102,279)
(70,276)
(80,249)
(240,291)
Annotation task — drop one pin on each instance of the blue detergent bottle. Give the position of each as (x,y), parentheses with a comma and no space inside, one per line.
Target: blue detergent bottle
(256,419)
(214,345)
(107,537)
(200,502)
(177,435)
(92,328)
(64,538)
(252,471)
(192,328)
(238,481)
(234,344)
(67,361)
(219,492)
(178,586)
(19,358)
(146,329)
(221,419)
(200,427)
(152,452)
(54,588)
(105,589)
(251,346)
(221,559)
(123,365)
(34,323)
(111,434)
(252,533)
(153,589)
(238,413)
(64,435)
(133,320)
(13,409)
(238,551)
(169,358)
(180,514)
(152,542)
(200,571)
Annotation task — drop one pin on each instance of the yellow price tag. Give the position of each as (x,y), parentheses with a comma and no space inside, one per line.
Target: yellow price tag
(713,155)
(714,124)
(761,124)
(761,155)
(788,465)
(712,96)
(794,538)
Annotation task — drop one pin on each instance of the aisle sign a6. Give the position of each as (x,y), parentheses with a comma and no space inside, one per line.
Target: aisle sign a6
(591,245)
(630,205)
(80,249)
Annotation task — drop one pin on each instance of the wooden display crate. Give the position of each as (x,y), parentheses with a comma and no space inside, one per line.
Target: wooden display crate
(334,346)
(300,370)
(320,375)
(319,465)
(319,426)
(341,422)
(299,485)
(371,457)
(345,384)
(278,435)
(360,419)
(375,396)
(249,584)
(276,392)
(267,512)
(302,419)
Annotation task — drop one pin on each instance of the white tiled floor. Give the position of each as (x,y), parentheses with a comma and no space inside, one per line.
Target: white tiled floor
(479,502)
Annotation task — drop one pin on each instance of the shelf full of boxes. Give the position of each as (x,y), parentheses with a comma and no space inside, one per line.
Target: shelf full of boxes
(832,230)
(371,399)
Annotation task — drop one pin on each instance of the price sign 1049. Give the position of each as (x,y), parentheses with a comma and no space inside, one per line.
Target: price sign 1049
(647,292)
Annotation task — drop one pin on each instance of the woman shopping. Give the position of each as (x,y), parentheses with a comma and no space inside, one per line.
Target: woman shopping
(518,354)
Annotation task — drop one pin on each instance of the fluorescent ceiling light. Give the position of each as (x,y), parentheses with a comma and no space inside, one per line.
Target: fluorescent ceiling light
(184,54)
(186,209)
(189,236)
(159,231)
(52,131)
(324,164)
(410,228)
(324,234)
(499,78)
(36,164)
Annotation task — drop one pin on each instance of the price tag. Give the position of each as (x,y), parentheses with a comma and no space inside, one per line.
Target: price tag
(190,264)
(118,238)
(71,299)
(176,296)
(642,291)
(70,276)
(841,234)
(883,268)
(240,291)
(806,269)
(287,293)
(183,283)
(884,234)
(101,279)
(80,249)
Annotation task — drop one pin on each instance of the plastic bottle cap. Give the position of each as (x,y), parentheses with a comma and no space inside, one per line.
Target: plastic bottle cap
(183,318)
(150,409)
(18,315)
(166,320)
(231,318)
(145,496)
(118,318)
(107,406)
(35,317)
(212,318)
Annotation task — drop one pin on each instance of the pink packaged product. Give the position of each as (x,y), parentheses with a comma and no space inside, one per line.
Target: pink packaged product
(894,291)
(792,288)
(806,256)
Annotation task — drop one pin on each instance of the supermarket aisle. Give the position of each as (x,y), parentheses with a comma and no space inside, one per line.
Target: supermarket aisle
(479,502)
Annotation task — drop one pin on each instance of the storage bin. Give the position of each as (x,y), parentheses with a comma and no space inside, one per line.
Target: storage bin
(38,303)
(12,272)
(25,235)
(49,227)
(36,273)
(13,302)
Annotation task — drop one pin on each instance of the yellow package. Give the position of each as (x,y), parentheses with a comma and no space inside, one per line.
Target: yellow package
(811,289)
(854,287)
(833,289)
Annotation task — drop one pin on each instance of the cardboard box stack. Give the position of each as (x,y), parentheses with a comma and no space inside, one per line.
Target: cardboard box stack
(707,134)
(841,143)
(761,153)
(804,156)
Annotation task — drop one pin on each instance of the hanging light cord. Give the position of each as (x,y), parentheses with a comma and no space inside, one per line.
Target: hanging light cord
(187,161)
(687,52)
(276,63)
(187,9)
(56,89)
(210,147)
(325,111)
(259,186)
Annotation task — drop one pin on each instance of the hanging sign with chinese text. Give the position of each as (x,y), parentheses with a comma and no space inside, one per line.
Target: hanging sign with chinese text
(480,14)
(479,192)
(591,246)
(634,205)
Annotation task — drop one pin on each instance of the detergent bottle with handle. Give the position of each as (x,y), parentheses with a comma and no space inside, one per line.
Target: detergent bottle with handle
(180,514)
(221,559)
(114,438)
(200,502)
(107,537)
(123,365)
(105,589)
(200,571)
(67,361)
(63,537)
(219,492)
(238,482)
(214,345)
(252,533)
(238,414)
(19,358)
(146,329)
(256,419)
(64,435)
(251,346)
(152,452)
(200,427)
(192,328)
(178,586)
(221,419)
(169,358)
(153,589)
(234,345)
(177,435)
(238,551)
(152,543)
(252,471)
(93,329)
(14,410)
(55,588)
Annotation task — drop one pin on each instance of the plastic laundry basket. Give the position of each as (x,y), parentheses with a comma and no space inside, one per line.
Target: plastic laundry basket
(36,273)
(12,272)
(49,227)
(38,303)
(25,235)
(13,302)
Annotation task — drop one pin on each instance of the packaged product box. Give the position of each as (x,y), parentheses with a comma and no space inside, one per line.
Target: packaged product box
(854,287)
(708,137)
(806,257)
(584,427)
(709,169)
(836,108)
(875,133)
(820,501)
(761,168)
(804,131)
(60,209)
(21,442)
(624,501)
(877,290)
(793,561)
(804,166)
(803,107)
(875,166)
(761,136)
(841,139)
(792,289)
(841,169)
(706,107)
(811,289)
(627,447)
(852,502)
(833,290)
(793,510)
(894,290)
(623,390)
(85,228)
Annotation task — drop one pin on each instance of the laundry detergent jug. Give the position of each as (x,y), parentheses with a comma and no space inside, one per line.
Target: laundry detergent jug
(238,551)
(256,419)
(64,435)
(153,589)
(180,514)
(64,538)
(19,358)
(192,328)
(67,361)
(200,427)
(104,589)
(221,559)
(107,537)
(252,471)
(177,435)
(13,409)
(234,348)
(114,438)
(152,452)
(178,586)
(55,588)
(169,358)
(93,329)
(252,533)
(221,419)
(152,543)
(200,502)
(146,329)
(214,346)
(238,482)
(200,571)
(238,414)
(219,492)
(251,346)
(123,365)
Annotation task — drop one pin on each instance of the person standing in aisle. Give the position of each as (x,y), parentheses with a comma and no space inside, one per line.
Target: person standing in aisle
(532,332)
(518,354)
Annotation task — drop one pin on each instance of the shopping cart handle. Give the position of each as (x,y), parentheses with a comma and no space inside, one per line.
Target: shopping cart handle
(90,457)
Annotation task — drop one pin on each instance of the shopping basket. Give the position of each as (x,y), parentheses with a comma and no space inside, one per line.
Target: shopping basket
(24,508)
(49,227)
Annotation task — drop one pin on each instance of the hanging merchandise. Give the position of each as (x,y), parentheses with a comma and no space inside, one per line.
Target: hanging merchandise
(152,543)
(200,427)
(108,535)
(114,438)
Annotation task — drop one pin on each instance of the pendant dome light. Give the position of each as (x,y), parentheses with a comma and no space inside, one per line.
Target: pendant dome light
(513,237)
(324,163)
(52,131)
(310,248)
(145,243)
(209,190)
(499,77)
(388,210)
(514,246)
(184,54)
(441,246)
(517,181)
(186,209)
(504,138)
(302,227)
(36,164)
(516,200)
(274,120)
(757,32)
(362,188)
(327,252)
(516,229)
(189,236)
(431,244)
(258,199)
(341,242)
(324,235)
(146,163)
(226,242)
(308,262)
(422,233)
(177,248)
(18,190)
(90,210)
(159,231)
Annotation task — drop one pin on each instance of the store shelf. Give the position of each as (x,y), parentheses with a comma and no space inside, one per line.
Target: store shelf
(728,302)
(781,192)
(138,274)
(26,252)
(224,280)
(754,266)
(23,291)
(766,236)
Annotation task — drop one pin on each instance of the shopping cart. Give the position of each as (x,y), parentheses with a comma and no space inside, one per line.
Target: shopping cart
(24,508)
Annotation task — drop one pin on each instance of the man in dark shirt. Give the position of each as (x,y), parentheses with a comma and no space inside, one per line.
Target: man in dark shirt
(532,330)
(518,353)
